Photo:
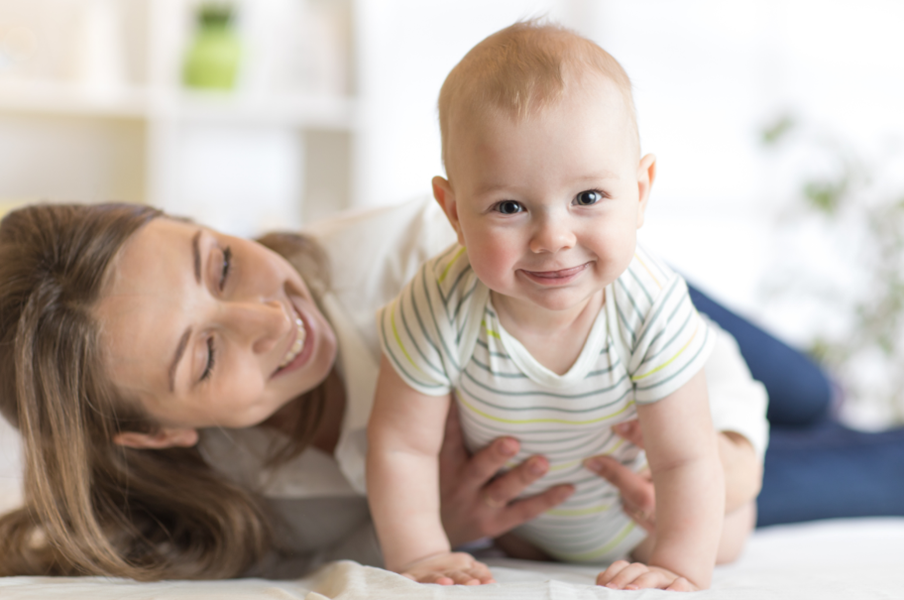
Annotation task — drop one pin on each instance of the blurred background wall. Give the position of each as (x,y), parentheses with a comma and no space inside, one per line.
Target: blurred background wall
(777,125)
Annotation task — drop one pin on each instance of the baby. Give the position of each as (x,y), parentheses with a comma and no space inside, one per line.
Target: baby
(547,323)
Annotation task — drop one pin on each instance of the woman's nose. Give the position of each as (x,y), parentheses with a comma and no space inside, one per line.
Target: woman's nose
(552,234)
(261,324)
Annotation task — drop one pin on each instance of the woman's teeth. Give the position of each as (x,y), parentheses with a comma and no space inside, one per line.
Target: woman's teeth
(297,346)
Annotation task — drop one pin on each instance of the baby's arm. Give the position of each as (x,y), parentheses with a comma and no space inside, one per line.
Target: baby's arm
(690,495)
(405,433)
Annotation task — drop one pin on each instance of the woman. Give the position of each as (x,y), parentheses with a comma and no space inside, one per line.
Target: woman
(192,405)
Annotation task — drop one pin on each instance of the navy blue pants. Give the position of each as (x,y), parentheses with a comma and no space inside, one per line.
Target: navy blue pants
(815,467)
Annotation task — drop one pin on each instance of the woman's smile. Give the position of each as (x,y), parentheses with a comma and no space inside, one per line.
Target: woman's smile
(301,347)
(297,344)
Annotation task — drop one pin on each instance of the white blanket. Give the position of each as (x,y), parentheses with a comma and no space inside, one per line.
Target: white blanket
(829,560)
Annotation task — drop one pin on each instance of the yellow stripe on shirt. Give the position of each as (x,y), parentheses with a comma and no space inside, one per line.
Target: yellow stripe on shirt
(669,361)
(486,415)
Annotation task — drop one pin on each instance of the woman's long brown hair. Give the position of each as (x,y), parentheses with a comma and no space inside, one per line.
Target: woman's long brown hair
(93,507)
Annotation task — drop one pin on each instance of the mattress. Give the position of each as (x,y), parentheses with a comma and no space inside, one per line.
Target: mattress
(829,560)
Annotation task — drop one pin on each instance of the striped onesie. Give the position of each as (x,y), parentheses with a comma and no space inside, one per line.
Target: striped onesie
(442,334)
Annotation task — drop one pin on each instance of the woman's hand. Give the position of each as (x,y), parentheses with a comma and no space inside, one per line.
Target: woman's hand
(637,493)
(474,502)
(743,475)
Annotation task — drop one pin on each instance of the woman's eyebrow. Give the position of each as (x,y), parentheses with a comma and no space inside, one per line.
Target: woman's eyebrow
(196,252)
(180,350)
(183,341)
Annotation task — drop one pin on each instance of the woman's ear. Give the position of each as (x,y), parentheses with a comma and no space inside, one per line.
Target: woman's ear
(442,191)
(646,173)
(165,437)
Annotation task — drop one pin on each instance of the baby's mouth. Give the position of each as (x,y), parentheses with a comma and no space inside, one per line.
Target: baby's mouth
(297,345)
(557,274)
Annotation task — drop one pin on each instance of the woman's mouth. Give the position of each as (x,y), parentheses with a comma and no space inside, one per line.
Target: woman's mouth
(297,345)
(302,346)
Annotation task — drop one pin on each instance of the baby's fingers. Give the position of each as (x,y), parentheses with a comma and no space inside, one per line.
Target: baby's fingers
(611,571)
(660,580)
(427,577)
(477,574)
(621,573)
(455,568)
(442,578)
(637,576)
(459,578)
(682,585)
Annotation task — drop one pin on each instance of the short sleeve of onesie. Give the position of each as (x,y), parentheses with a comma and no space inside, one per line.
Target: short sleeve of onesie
(431,326)
(664,340)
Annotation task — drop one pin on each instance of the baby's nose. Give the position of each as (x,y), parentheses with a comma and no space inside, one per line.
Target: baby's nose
(552,234)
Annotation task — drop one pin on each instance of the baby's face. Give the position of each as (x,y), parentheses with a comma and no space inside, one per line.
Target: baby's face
(548,207)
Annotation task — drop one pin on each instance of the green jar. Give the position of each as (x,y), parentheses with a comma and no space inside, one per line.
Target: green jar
(213,59)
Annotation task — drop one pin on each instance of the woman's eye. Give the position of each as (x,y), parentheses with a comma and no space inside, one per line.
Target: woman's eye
(588,198)
(227,265)
(509,207)
(211,359)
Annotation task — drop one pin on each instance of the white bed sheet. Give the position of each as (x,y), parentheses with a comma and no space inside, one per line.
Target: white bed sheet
(829,560)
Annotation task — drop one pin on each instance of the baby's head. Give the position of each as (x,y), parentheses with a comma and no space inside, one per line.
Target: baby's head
(546,187)
(522,70)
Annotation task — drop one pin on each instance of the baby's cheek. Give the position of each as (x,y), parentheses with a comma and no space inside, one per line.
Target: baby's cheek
(491,267)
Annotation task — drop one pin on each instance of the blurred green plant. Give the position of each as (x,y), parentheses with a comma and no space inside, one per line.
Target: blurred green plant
(847,196)
(213,58)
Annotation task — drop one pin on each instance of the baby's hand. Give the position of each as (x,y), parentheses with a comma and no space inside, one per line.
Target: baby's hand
(452,568)
(622,575)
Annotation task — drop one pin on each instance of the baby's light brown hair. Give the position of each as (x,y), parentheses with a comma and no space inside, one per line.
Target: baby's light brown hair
(522,70)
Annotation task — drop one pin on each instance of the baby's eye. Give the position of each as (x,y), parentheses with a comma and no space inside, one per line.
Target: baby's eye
(509,207)
(588,197)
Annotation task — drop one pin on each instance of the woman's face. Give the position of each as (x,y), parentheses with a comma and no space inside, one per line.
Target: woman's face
(208,329)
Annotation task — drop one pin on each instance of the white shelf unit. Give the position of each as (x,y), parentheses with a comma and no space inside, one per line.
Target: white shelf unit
(259,157)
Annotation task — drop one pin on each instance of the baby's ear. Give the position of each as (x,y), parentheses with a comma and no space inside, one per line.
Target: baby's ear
(646,173)
(165,437)
(445,197)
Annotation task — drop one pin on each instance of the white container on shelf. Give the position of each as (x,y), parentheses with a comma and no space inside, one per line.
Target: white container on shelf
(98,65)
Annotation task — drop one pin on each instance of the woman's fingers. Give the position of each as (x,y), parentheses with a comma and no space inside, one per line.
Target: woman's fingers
(475,501)
(637,492)
(520,511)
(509,485)
(486,462)
(472,471)
(630,430)
(452,452)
